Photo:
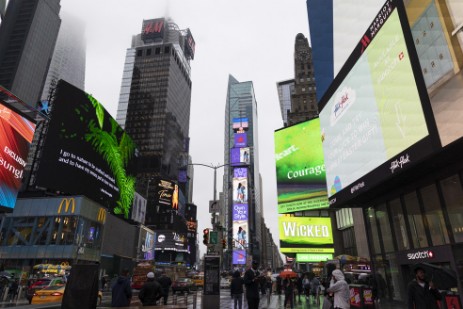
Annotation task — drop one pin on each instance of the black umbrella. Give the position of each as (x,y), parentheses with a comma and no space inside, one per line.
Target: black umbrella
(443,278)
(5,274)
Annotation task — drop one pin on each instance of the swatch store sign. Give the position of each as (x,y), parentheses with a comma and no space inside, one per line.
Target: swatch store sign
(420,255)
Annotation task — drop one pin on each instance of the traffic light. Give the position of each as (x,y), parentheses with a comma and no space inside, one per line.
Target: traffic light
(224,243)
(206,236)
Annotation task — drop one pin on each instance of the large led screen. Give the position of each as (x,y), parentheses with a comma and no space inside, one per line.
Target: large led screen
(16,133)
(239,257)
(86,152)
(240,186)
(240,234)
(376,118)
(301,182)
(305,231)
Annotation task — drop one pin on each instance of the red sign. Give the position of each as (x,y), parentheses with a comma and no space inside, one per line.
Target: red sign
(452,301)
(355,300)
(152,29)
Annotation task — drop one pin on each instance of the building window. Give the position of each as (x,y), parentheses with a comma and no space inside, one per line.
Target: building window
(148,52)
(385,228)
(166,49)
(157,51)
(415,220)
(376,249)
(453,196)
(398,222)
(139,53)
(434,215)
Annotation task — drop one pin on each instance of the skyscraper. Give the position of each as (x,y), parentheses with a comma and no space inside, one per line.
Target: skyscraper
(242,184)
(68,61)
(27,40)
(154,104)
(285,91)
(303,99)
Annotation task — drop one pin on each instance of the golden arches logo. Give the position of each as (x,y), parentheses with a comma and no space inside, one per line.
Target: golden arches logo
(101,215)
(68,202)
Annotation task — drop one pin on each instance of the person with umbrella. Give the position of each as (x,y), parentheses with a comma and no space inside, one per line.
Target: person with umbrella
(251,281)
(421,293)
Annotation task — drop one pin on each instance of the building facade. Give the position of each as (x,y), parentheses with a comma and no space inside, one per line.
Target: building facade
(417,220)
(303,99)
(27,39)
(154,109)
(285,91)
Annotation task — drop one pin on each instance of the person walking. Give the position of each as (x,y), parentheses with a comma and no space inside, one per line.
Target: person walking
(251,281)
(13,290)
(340,289)
(314,286)
(288,285)
(236,290)
(421,293)
(151,291)
(121,291)
(165,283)
(299,286)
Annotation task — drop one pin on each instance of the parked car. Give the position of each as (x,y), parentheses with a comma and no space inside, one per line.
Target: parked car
(43,283)
(54,294)
(183,285)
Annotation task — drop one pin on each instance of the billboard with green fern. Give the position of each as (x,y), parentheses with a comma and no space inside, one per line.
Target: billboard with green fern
(86,152)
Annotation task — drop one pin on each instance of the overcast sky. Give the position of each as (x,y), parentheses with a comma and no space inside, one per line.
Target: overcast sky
(253,40)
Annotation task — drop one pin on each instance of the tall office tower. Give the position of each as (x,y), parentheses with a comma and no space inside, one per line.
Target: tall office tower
(68,61)
(154,105)
(242,185)
(303,100)
(285,91)
(27,40)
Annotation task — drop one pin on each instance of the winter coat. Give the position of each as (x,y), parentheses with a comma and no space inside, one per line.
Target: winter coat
(422,298)
(121,293)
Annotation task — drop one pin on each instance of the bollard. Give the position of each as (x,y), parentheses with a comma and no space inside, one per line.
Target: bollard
(20,290)
(174,299)
(185,298)
(5,293)
(195,295)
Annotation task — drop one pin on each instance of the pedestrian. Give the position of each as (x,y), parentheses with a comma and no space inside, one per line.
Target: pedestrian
(165,283)
(251,281)
(236,290)
(421,293)
(121,291)
(314,286)
(340,289)
(278,285)
(288,286)
(13,290)
(151,291)
(263,285)
(299,285)
(103,283)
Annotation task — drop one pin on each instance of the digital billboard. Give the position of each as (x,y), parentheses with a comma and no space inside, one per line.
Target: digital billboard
(240,212)
(375,118)
(138,210)
(86,152)
(171,240)
(239,257)
(240,123)
(240,156)
(306,249)
(313,257)
(305,231)
(146,244)
(240,190)
(241,140)
(190,44)
(300,168)
(16,133)
(240,234)
(153,29)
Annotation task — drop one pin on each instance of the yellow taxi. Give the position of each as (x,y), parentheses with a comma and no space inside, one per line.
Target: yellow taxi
(54,294)
(198,280)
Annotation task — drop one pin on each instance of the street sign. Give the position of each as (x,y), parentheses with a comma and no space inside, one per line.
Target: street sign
(214,206)
(213,238)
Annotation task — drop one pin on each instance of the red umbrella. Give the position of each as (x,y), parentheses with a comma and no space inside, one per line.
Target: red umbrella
(288,273)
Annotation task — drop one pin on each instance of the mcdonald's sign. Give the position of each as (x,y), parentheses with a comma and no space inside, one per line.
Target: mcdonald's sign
(67,202)
(101,215)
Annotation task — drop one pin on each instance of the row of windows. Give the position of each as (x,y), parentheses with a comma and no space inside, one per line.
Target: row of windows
(429,216)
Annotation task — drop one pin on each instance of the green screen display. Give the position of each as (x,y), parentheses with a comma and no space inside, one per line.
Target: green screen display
(313,257)
(305,231)
(300,168)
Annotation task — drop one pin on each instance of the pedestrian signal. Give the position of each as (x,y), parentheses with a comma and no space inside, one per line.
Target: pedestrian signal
(206,236)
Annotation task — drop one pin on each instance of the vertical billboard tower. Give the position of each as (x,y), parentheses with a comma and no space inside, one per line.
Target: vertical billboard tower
(242,190)
(154,108)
